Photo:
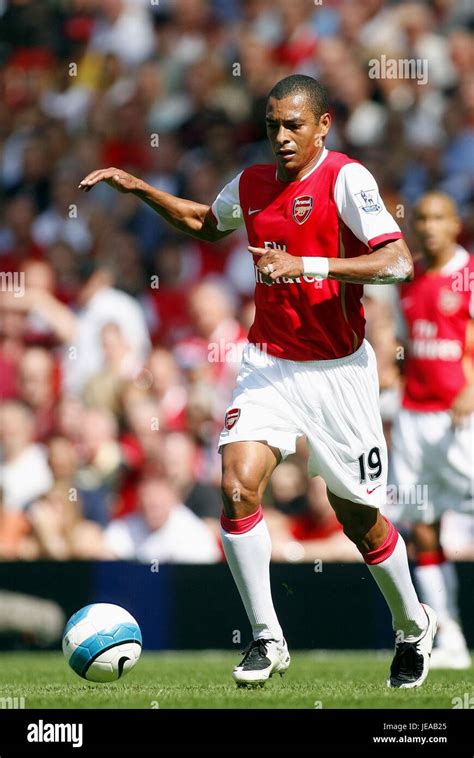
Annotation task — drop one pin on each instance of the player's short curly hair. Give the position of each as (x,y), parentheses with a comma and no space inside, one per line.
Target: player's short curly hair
(304,85)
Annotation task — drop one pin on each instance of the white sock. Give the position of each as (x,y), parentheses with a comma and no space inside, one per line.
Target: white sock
(248,555)
(450,576)
(434,590)
(394,580)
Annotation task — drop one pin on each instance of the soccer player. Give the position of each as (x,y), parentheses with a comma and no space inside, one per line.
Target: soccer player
(433,437)
(318,230)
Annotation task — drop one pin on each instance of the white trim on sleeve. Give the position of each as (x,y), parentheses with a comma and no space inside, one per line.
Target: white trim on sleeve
(361,208)
(226,207)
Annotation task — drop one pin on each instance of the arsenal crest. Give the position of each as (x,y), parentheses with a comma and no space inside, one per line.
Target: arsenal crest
(302,207)
(231,418)
(448,301)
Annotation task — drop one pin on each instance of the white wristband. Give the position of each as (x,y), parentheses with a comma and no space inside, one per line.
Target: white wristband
(316,266)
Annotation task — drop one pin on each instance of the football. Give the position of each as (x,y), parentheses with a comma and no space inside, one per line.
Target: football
(102,642)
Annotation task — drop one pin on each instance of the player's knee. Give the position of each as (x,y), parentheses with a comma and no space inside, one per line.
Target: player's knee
(357,523)
(353,533)
(239,494)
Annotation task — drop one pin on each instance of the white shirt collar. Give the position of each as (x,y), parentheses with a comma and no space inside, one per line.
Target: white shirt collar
(320,160)
(458,260)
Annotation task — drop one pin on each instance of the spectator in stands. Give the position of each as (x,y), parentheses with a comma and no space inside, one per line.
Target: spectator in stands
(12,347)
(180,463)
(104,389)
(40,284)
(289,486)
(37,388)
(123,28)
(69,419)
(14,526)
(63,461)
(100,463)
(213,353)
(177,91)
(58,529)
(129,274)
(314,534)
(61,220)
(167,387)
(164,530)
(16,238)
(202,424)
(28,170)
(100,303)
(24,471)
(62,259)
(175,267)
(142,415)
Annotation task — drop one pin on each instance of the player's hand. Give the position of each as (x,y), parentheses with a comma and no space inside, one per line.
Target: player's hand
(463,405)
(25,301)
(115,177)
(275,263)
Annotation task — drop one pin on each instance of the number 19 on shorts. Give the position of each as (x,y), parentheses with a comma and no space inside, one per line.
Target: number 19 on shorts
(371,463)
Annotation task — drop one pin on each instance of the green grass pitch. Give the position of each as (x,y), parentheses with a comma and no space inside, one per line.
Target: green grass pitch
(323,679)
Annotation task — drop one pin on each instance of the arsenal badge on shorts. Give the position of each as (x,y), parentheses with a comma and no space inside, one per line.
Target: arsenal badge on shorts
(302,207)
(231,418)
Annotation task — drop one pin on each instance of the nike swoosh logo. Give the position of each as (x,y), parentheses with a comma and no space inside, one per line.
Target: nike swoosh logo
(121,664)
(251,212)
(369,492)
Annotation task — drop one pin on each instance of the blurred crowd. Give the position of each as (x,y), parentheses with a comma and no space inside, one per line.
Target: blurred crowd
(120,339)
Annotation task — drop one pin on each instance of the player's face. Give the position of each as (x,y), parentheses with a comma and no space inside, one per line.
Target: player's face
(436,225)
(295,134)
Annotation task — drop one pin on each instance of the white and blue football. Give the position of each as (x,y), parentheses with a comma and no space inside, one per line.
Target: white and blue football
(102,642)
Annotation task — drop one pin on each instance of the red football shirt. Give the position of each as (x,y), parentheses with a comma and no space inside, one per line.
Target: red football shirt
(435,310)
(333,211)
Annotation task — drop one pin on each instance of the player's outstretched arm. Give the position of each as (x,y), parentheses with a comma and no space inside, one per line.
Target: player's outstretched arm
(388,264)
(192,218)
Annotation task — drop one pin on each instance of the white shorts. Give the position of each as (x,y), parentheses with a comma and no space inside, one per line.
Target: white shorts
(334,404)
(431,466)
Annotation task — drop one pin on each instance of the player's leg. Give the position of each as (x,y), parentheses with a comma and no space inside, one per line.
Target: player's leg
(246,469)
(348,450)
(426,450)
(259,429)
(437,581)
(384,552)
(452,454)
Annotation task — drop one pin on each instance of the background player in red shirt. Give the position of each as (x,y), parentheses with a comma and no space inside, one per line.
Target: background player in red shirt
(318,230)
(433,437)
